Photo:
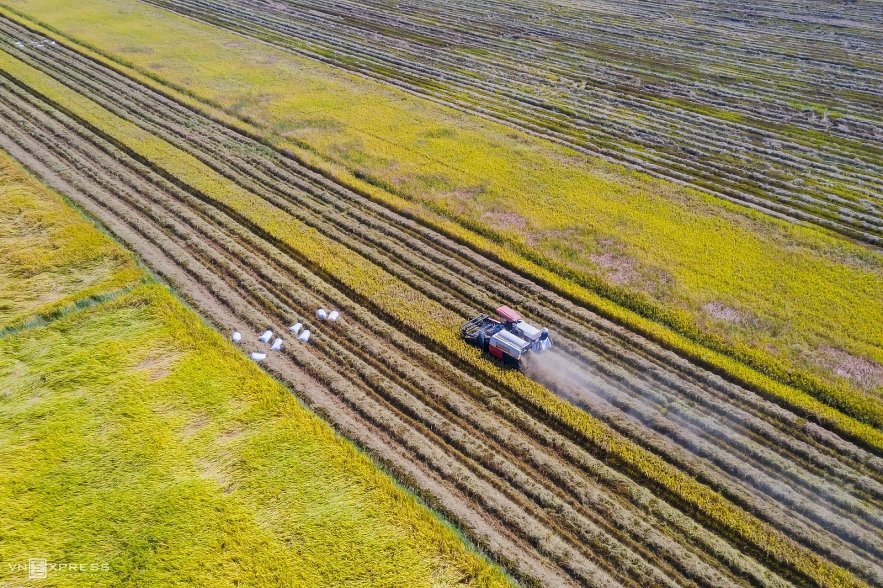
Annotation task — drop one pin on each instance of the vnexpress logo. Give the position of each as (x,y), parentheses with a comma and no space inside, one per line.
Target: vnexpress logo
(37,568)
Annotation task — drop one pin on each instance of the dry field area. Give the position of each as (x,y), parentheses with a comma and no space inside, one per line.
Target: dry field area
(631,455)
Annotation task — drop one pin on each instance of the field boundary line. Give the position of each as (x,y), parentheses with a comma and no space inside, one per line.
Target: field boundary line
(47,317)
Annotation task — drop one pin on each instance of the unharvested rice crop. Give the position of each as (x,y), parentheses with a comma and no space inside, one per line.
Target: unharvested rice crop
(50,259)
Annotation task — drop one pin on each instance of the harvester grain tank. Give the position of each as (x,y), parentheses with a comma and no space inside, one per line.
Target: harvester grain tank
(508,338)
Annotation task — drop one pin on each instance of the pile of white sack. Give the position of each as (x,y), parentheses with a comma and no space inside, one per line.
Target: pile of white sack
(297,329)
(331,316)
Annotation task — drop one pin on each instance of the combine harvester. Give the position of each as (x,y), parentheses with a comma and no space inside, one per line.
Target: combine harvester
(507,338)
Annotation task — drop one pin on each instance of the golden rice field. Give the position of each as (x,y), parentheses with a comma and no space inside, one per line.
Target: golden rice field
(140,443)
(710,414)
(51,258)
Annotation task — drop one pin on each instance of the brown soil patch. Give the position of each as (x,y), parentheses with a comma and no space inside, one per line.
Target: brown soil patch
(158,366)
(213,470)
(865,373)
(195,425)
(231,434)
(505,220)
(621,269)
(718,311)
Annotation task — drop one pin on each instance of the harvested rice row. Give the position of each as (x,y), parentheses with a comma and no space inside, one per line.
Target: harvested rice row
(493,92)
(320,365)
(850,402)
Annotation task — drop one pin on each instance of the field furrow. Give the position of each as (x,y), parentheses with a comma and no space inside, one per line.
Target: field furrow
(741,140)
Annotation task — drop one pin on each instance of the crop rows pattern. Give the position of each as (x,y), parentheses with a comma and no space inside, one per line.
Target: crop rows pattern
(680,479)
(775,106)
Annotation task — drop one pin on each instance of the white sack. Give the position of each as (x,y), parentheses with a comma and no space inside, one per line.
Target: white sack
(332,316)
(277,344)
(258,356)
(321,314)
(266,336)
(237,337)
(295,328)
(305,336)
